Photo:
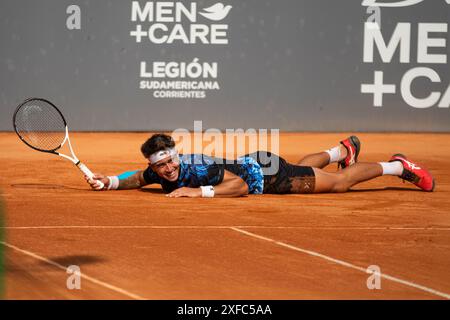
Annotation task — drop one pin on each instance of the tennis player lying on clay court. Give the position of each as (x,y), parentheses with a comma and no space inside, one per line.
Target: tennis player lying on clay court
(261,172)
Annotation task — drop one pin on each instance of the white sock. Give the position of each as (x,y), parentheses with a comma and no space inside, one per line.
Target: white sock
(334,153)
(394,168)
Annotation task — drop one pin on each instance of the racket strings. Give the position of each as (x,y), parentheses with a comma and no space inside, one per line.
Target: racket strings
(40,125)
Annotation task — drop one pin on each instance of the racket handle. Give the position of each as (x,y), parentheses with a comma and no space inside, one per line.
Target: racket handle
(89,174)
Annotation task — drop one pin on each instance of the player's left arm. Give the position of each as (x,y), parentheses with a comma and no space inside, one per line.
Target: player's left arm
(231,186)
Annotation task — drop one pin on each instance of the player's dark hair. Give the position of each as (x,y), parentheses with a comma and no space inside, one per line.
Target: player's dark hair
(157,142)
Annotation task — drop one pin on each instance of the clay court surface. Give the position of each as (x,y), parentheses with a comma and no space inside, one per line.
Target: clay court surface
(140,244)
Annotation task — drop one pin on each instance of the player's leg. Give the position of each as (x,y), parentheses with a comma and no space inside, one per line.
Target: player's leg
(297,179)
(399,165)
(345,154)
(343,180)
(322,159)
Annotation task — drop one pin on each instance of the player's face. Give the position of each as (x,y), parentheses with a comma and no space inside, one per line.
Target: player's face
(167,169)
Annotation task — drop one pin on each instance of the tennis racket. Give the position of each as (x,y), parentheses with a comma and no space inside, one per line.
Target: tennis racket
(42,127)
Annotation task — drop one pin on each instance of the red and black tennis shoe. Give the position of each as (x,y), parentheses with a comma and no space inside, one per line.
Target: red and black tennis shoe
(414,173)
(353,147)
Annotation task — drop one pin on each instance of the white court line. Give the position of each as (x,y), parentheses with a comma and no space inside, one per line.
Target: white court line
(89,278)
(343,263)
(228,227)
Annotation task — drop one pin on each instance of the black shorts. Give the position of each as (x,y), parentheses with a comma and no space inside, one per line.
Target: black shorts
(286,178)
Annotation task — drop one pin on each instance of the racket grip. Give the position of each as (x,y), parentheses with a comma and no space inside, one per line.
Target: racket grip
(89,174)
(85,170)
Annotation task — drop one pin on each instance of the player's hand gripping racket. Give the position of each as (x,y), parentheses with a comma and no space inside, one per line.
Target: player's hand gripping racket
(41,126)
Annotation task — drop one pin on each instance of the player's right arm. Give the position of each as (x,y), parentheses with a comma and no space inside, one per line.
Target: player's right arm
(133,181)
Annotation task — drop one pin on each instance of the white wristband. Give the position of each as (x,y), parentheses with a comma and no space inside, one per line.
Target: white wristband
(207,191)
(113,183)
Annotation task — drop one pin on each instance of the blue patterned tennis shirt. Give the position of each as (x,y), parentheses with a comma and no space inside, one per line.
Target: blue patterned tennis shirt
(200,170)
